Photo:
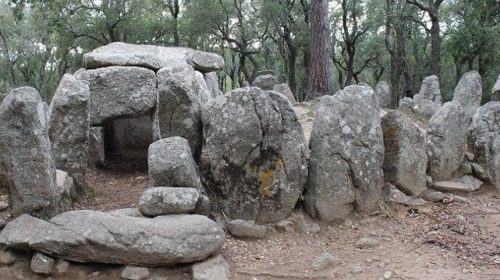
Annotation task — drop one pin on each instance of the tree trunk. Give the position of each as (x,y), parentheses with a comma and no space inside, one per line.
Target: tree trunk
(319,66)
(435,47)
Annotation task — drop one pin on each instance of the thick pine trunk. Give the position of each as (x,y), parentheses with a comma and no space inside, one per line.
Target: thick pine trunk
(319,67)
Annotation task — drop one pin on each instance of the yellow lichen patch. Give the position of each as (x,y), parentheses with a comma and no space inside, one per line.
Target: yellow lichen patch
(266,180)
(281,164)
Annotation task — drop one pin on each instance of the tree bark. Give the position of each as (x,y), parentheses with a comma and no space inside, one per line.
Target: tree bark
(319,66)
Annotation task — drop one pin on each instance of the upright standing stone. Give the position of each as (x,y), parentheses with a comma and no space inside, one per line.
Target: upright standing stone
(468,93)
(179,105)
(212,81)
(446,141)
(484,140)
(383,94)
(27,168)
(428,100)
(69,128)
(96,152)
(286,91)
(254,154)
(405,159)
(265,82)
(347,153)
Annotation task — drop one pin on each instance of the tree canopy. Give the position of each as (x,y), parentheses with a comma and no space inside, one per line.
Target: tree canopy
(400,41)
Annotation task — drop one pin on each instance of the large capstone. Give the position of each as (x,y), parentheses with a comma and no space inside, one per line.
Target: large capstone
(153,57)
(347,152)
(119,92)
(484,140)
(446,141)
(91,236)
(254,154)
(405,159)
(383,94)
(180,101)
(468,93)
(69,128)
(27,168)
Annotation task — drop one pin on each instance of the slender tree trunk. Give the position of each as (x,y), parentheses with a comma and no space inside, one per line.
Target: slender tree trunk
(435,47)
(319,68)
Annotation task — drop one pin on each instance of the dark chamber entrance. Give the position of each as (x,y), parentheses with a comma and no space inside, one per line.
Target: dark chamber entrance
(126,143)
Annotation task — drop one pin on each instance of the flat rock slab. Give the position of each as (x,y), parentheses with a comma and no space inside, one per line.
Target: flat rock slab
(91,236)
(453,186)
(153,57)
(168,200)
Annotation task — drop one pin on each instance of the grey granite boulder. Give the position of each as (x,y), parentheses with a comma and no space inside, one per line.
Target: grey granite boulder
(170,162)
(254,154)
(446,141)
(69,128)
(405,158)
(214,268)
(495,92)
(160,201)
(96,148)
(406,104)
(383,94)
(484,140)
(246,229)
(90,236)
(212,81)
(468,93)
(265,82)
(119,91)
(347,153)
(428,100)
(42,264)
(179,105)
(286,91)
(27,168)
(153,57)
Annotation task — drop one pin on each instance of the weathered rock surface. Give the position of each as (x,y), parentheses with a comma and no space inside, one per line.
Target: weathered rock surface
(484,141)
(406,104)
(119,91)
(468,93)
(214,268)
(347,152)
(96,152)
(154,57)
(27,168)
(325,261)
(495,92)
(65,186)
(265,82)
(212,83)
(131,272)
(446,141)
(383,94)
(392,194)
(90,236)
(254,154)
(42,264)
(428,100)
(429,90)
(405,158)
(246,229)
(159,201)
(454,186)
(286,91)
(179,105)
(171,163)
(69,128)
(130,212)
(7,257)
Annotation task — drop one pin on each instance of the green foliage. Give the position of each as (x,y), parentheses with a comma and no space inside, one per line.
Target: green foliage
(41,40)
